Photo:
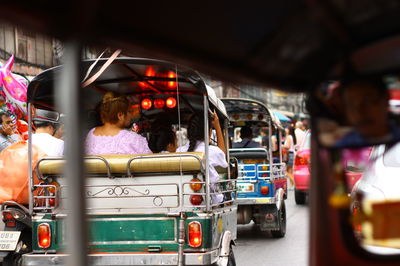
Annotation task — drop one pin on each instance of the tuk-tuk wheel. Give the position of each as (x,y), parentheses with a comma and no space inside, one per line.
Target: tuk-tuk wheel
(299,197)
(12,260)
(282,223)
(231,258)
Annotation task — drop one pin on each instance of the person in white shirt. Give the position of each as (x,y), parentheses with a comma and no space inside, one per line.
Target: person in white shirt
(300,134)
(44,138)
(217,154)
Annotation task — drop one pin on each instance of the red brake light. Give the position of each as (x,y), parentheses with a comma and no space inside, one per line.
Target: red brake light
(195,234)
(356,223)
(44,235)
(11,223)
(170,102)
(146,104)
(195,186)
(159,103)
(7,216)
(171,84)
(196,199)
(264,190)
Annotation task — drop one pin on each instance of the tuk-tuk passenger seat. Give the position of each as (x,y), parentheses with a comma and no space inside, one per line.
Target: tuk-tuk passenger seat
(141,163)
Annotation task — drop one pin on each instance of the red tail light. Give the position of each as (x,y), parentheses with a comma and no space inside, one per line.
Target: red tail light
(302,159)
(44,235)
(52,192)
(264,190)
(170,102)
(7,216)
(159,103)
(356,218)
(195,234)
(9,219)
(146,104)
(196,186)
(196,199)
(171,84)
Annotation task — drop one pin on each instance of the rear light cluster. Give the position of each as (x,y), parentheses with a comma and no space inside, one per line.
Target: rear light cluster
(357,219)
(44,235)
(264,190)
(195,234)
(48,195)
(158,103)
(302,159)
(151,73)
(10,217)
(196,186)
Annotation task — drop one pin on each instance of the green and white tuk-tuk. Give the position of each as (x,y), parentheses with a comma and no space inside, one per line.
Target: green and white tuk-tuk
(140,209)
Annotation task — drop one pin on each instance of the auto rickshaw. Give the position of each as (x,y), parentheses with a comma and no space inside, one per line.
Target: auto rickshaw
(141,209)
(262,181)
(287,45)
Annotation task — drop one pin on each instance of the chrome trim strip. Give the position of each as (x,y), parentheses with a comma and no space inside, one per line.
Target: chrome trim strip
(203,258)
(131,219)
(253,201)
(132,242)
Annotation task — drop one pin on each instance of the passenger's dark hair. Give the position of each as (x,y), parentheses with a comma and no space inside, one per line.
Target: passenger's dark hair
(245,132)
(375,82)
(160,138)
(291,132)
(195,131)
(39,124)
(6,113)
(111,105)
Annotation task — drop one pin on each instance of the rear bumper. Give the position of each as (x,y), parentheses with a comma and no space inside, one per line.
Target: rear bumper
(205,258)
(254,201)
(302,178)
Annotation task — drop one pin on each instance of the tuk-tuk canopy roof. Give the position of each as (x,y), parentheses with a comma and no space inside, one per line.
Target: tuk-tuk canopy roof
(249,110)
(129,76)
(286,44)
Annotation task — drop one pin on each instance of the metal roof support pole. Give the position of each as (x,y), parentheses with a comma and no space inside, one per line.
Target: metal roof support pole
(206,151)
(30,167)
(68,95)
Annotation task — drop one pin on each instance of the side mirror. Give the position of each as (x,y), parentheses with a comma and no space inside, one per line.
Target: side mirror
(234,171)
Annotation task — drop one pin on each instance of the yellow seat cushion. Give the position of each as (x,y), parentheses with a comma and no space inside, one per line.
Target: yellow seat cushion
(143,163)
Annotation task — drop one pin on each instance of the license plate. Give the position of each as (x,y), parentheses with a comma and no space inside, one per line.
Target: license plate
(245,188)
(9,240)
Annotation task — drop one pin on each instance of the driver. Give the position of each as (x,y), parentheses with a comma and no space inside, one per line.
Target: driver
(44,138)
(247,139)
(366,109)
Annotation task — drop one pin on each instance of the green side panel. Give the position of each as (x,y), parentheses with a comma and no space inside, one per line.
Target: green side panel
(132,229)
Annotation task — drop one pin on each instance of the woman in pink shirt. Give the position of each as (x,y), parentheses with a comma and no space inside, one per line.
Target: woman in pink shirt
(113,137)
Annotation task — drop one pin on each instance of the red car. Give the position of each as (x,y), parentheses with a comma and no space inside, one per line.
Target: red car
(301,171)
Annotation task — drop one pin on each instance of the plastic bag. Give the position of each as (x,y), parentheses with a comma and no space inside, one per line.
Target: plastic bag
(14,180)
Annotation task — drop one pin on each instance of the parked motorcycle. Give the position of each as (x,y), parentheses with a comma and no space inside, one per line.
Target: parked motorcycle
(16,237)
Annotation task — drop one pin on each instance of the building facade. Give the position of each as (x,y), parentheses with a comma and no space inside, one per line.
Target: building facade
(33,52)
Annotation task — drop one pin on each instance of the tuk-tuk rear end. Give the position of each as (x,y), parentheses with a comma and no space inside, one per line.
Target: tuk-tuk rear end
(262,182)
(141,209)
